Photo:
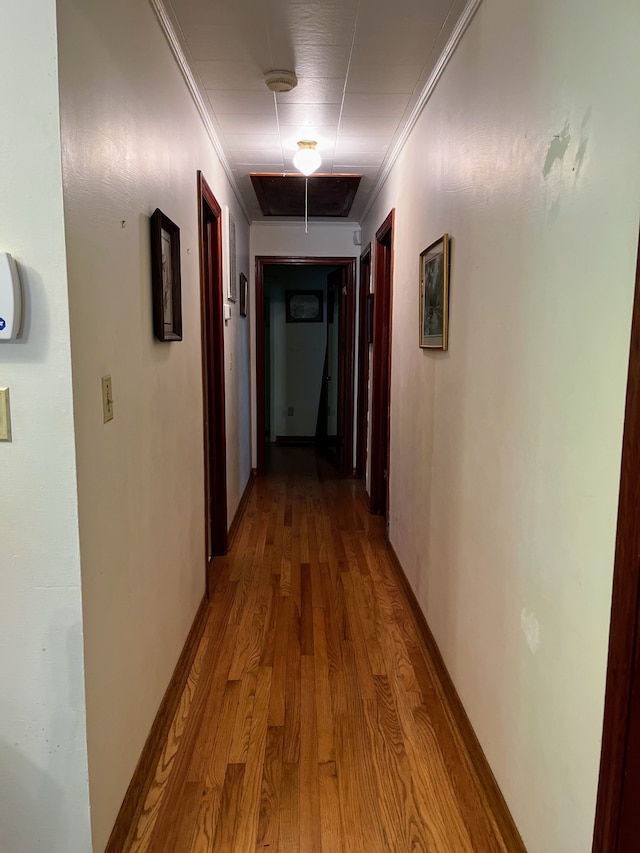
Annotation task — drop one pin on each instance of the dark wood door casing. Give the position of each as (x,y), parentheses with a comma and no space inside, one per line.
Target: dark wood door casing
(363,363)
(211,300)
(617,825)
(349,267)
(381,371)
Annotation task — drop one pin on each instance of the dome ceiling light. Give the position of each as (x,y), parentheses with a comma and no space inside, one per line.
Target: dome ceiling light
(306,159)
(280,81)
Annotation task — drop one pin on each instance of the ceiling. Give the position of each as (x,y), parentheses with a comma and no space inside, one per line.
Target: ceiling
(361,65)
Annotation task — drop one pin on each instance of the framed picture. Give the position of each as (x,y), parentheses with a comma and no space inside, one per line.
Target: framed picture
(165,278)
(243,294)
(304,306)
(434,295)
(370,318)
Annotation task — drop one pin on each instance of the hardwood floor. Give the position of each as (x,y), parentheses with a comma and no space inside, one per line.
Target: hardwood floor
(312,719)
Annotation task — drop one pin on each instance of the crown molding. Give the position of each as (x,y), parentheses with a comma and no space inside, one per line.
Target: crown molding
(174,44)
(454,40)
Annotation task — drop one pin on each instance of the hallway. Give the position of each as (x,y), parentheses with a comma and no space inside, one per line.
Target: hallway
(312,718)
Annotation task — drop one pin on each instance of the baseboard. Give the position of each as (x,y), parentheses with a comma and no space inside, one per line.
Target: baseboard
(237,518)
(295,439)
(485,779)
(143,775)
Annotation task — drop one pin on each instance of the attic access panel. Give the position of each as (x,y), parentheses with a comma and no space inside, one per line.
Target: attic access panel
(283,195)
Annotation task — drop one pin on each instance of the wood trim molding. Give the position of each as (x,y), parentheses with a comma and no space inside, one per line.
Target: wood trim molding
(364,288)
(348,366)
(143,776)
(478,765)
(244,500)
(213,376)
(616,788)
(381,367)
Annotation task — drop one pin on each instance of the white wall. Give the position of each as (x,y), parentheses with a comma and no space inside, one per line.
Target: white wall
(44,797)
(282,239)
(133,141)
(505,451)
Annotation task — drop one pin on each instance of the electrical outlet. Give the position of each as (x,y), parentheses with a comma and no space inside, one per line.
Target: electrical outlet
(290,411)
(5,415)
(107,399)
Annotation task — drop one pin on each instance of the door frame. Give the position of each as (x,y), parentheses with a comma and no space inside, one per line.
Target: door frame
(381,369)
(213,390)
(617,790)
(363,362)
(349,265)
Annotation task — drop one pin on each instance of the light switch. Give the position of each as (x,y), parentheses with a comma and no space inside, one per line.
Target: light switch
(107,399)
(5,415)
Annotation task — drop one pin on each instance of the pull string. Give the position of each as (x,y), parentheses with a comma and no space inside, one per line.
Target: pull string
(306,205)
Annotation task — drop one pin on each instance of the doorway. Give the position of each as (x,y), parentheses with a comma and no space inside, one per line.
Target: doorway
(333,377)
(211,300)
(617,825)
(381,372)
(363,362)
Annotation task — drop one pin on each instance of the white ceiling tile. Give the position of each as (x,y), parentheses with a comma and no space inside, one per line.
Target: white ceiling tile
(219,12)
(259,166)
(253,141)
(242,103)
(383,79)
(308,115)
(244,157)
(355,144)
(230,43)
(320,23)
(309,60)
(389,106)
(368,126)
(231,76)
(248,124)
(314,90)
(360,159)
(395,42)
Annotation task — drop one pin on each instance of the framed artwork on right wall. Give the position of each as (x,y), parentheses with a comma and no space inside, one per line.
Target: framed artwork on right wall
(434,295)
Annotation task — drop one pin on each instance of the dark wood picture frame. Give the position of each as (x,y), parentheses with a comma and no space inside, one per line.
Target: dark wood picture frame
(166,283)
(243,294)
(300,306)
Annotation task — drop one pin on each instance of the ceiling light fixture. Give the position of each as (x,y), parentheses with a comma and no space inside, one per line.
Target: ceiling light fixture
(280,81)
(306,159)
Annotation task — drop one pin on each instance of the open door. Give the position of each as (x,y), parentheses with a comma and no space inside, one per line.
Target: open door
(380,401)
(215,455)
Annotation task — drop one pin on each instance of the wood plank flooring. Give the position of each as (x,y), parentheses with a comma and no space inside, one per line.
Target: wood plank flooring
(312,719)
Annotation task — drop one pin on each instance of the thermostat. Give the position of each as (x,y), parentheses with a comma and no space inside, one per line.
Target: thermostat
(10,298)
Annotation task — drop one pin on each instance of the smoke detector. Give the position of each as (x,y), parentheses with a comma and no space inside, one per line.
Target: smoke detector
(280,81)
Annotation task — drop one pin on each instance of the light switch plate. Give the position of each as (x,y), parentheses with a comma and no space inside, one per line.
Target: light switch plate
(5,415)
(107,399)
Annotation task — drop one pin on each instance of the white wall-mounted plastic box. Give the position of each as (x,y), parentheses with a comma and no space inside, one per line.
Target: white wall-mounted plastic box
(10,298)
